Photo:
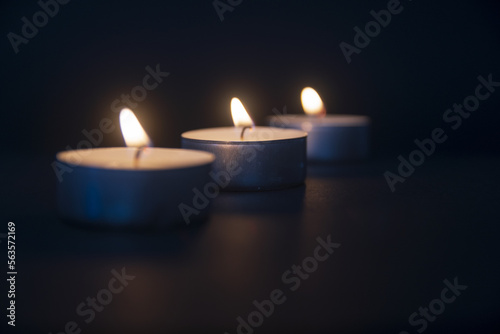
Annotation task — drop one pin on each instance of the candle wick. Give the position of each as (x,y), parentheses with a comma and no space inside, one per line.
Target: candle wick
(243,131)
(322,114)
(138,153)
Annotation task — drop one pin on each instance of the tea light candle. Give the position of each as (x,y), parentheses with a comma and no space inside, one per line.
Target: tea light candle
(130,186)
(250,157)
(330,137)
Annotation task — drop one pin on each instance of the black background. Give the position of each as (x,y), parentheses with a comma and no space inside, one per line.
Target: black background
(397,247)
(264,52)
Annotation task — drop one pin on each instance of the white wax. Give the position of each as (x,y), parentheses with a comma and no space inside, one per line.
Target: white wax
(307,122)
(232,134)
(123,158)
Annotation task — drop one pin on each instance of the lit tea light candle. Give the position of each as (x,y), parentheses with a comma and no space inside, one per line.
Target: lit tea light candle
(130,186)
(250,157)
(330,137)
(133,133)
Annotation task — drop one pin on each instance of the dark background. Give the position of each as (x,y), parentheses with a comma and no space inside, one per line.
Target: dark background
(396,247)
(264,52)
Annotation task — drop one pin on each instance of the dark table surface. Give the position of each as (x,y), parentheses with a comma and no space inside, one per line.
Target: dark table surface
(396,250)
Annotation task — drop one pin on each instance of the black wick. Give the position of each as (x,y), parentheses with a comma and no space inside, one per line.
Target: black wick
(138,153)
(243,131)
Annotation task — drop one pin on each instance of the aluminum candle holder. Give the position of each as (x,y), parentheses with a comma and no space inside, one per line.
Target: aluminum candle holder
(107,188)
(267,158)
(331,138)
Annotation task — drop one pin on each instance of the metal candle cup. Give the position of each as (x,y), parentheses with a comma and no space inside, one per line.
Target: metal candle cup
(332,137)
(107,188)
(329,137)
(267,158)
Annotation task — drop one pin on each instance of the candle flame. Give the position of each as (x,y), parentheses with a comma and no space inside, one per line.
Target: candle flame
(240,115)
(132,131)
(311,102)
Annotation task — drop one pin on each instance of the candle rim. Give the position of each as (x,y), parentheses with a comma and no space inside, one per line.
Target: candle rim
(299,134)
(327,120)
(206,158)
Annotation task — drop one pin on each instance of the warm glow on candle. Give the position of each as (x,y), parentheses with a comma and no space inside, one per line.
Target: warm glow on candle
(311,102)
(240,115)
(132,131)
